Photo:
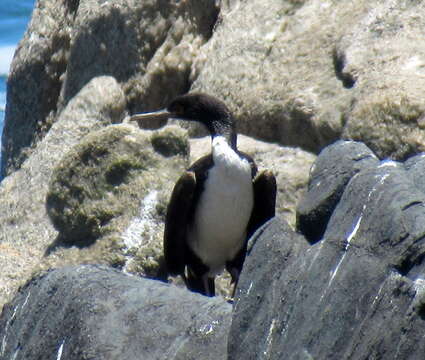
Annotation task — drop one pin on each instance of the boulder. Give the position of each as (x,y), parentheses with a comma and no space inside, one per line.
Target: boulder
(305,73)
(93,311)
(35,79)
(148,47)
(25,228)
(111,191)
(358,292)
(332,170)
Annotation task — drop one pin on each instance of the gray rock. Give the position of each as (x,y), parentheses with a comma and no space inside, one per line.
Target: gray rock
(415,167)
(35,80)
(95,312)
(381,55)
(112,189)
(25,229)
(315,71)
(274,247)
(148,47)
(331,172)
(358,293)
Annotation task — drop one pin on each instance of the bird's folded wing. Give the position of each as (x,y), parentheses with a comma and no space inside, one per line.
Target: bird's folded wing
(264,200)
(176,223)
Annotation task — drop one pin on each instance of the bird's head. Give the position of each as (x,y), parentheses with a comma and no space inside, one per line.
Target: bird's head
(199,107)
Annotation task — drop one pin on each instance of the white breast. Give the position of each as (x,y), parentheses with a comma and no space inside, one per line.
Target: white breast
(224,208)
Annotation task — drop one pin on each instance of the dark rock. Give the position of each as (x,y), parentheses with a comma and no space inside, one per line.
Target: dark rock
(94,312)
(415,167)
(274,247)
(358,293)
(329,175)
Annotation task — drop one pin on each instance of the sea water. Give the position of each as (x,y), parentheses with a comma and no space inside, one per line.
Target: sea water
(14,17)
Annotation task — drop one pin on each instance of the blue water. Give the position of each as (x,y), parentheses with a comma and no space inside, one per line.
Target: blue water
(14,17)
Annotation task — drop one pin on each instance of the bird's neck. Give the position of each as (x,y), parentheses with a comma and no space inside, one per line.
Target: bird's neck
(223,153)
(226,131)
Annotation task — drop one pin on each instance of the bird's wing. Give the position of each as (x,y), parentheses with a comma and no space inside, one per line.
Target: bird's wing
(264,200)
(175,232)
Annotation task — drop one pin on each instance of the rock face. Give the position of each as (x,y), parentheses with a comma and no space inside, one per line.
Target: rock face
(99,187)
(148,47)
(359,292)
(330,174)
(314,71)
(92,311)
(319,69)
(25,229)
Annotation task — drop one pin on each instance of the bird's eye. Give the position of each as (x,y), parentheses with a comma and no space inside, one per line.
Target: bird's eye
(178,109)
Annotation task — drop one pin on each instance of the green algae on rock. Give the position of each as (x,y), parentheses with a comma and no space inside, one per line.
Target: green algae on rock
(112,187)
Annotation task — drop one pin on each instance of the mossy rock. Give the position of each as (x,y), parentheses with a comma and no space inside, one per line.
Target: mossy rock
(97,187)
(391,127)
(171,141)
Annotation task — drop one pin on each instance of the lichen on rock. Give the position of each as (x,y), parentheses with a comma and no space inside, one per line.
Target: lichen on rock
(109,183)
(170,141)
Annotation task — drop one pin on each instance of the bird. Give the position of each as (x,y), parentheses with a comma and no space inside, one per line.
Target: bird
(217,203)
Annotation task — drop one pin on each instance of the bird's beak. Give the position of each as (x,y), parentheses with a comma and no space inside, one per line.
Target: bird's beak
(163,114)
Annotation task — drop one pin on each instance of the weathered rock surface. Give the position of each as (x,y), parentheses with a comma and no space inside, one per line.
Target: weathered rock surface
(299,73)
(25,229)
(95,312)
(357,293)
(305,73)
(107,188)
(101,189)
(331,172)
(319,69)
(148,47)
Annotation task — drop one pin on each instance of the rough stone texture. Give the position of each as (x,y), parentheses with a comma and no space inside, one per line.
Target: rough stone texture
(112,188)
(147,46)
(34,81)
(380,52)
(92,312)
(25,229)
(313,71)
(291,167)
(331,172)
(358,293)
(415,167)
(319,68)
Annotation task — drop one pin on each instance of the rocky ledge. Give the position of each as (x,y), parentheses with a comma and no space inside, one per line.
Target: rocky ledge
(88,312)
(354,291)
